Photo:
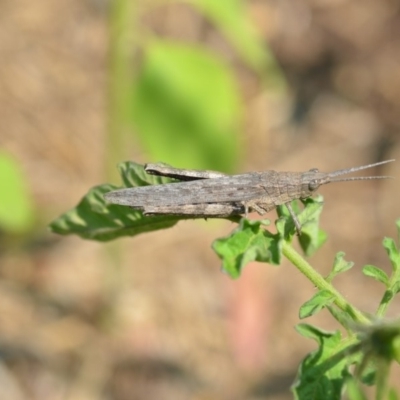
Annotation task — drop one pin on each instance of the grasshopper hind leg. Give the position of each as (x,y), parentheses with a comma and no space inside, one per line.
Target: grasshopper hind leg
(201,210)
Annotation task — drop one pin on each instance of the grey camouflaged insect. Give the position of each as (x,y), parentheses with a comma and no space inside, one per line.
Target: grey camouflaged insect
(214,194)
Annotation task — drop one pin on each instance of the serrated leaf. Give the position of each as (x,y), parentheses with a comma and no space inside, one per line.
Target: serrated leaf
(285,224)
(339,265)
(187,108)
(376,273)
(393,253)
(311,238)
(322,373)
(316,303)
(392,250)
(16,209)
(248,242)
(93,218)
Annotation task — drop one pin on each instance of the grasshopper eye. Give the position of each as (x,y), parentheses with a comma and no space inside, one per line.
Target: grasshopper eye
(313,185)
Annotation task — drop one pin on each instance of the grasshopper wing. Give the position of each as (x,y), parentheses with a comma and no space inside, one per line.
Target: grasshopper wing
(235,188)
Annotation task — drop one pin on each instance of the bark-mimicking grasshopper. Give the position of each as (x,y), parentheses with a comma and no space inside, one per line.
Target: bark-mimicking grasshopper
(214,194)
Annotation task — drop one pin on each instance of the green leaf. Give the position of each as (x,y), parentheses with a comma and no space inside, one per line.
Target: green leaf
(393,283)
(187,109)
(231,18)
(393,253)
(94,219)
(316,303)
(368,375)
(285,224)
(311,238)
(16,209)
(339,265)
(133,174)
(248,242)
(322,373)
(376,273)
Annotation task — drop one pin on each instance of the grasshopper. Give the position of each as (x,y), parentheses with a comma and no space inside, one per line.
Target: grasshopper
(202,193)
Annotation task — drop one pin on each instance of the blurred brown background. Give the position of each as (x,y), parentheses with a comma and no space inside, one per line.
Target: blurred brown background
(153,317)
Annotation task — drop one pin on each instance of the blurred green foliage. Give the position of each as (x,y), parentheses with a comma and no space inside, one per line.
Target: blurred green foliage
(230,17)
(186,107)
(16,209)
(181,100)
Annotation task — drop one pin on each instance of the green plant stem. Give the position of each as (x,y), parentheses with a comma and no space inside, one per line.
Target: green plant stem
(319,281)
(383,305)
(122,25)
(382,380)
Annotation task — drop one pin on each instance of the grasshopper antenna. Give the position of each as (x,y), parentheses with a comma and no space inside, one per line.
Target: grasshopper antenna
(355,169)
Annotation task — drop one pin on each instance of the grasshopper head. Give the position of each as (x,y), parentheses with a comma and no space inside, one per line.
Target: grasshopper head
(313,179)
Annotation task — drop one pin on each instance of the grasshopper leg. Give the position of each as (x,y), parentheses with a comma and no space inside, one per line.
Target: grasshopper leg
(294,217)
